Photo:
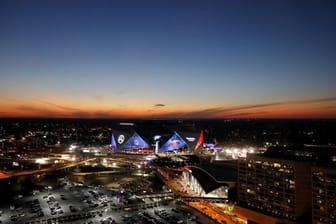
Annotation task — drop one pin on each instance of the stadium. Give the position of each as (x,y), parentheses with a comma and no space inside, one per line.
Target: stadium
(155,138)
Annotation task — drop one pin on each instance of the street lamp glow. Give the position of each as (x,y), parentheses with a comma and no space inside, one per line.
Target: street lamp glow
(41,160)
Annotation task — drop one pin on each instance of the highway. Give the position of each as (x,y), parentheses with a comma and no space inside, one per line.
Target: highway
(4,175)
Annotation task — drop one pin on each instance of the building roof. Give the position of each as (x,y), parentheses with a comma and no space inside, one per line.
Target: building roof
(212,176)
(170,137)
(206,181)
(311,153)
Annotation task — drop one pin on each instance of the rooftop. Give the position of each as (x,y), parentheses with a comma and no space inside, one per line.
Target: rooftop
(312,153)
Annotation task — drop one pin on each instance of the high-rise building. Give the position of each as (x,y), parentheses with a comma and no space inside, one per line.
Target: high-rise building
(279,183)
(324,194)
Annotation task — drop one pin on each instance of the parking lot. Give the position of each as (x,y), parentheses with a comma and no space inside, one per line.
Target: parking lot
(72,202)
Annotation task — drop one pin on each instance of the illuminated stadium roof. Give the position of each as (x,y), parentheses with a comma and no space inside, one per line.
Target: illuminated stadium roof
(189,134)
(128,137)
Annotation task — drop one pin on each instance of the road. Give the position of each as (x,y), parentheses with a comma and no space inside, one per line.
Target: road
(178,187)
(4,175)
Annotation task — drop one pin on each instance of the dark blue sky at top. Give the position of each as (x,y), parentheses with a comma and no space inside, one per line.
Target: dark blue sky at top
(281,48)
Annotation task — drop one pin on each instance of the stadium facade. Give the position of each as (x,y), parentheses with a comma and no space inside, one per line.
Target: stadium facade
(130,137)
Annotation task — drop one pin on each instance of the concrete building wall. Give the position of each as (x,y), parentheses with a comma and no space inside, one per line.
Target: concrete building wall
(278,187)
(324,195)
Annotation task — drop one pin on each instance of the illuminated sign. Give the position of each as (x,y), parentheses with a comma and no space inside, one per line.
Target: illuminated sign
(174,143)
(121,139)
(135,142)
(191,139)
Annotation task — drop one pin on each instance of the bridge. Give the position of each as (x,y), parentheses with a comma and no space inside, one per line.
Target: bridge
(160,195)
(203,199)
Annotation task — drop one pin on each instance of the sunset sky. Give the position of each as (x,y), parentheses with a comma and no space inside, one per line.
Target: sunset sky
(168,59)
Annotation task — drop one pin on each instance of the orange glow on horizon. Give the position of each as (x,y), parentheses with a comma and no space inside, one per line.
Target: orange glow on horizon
(281,110)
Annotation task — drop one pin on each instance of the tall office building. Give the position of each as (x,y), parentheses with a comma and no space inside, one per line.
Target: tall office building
(278,183)
(324,194)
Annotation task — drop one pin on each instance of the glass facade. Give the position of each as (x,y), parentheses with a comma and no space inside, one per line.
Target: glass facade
(135,142)
(113,143)
(174,143)
(128,138)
